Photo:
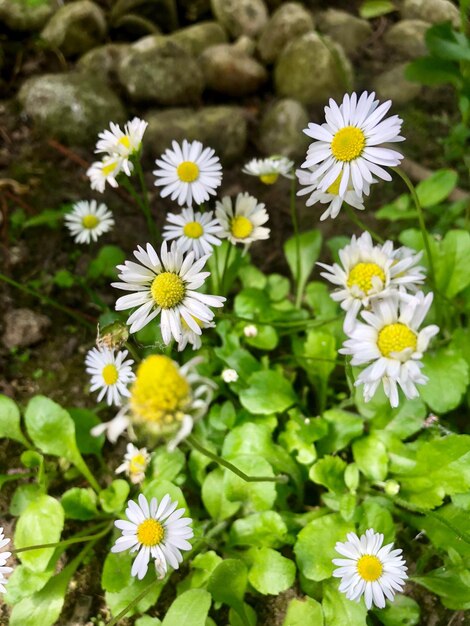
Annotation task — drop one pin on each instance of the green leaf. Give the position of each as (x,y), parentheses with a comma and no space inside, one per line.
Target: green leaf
(271,573)
(397,210)
(235,571)
(146,620)
(446,43)
(338,610)
(265,529)
(437,187)
(329,472)
(448,379)
(314,549)
(375,8)
(24,494)
(112,498)
(10,421)
(318,357)
(84,420)
(404,611)
(104,265)
(438,531)
(214,497)
(167,465)
(159,488)
(191,607)
(452,273)
(256,496)
(79,504)
(310,245)
(23,582)
(447,584)
(303,612)
(343,427)
(267,392)
(41,522)
(374,515)
(202,567)
(317,296)
(371,457)
(431,71)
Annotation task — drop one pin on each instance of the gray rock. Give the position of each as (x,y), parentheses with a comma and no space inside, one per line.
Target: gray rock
(241,17)
(407,38)
(24,327)
(200,36)
(392,85)
(23,15)
(431,11)
(288,22)
(157,69)
(230,70)
(280,129)
(312,69)
(194,9)
(75,28)
(161,12)
(102,62)
(348,30)
(223,128)
(70,107)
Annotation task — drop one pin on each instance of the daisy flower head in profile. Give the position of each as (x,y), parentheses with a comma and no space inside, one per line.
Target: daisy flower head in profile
(111,373)
(194,231)
(125,143)
(348,143)
(189,337)
(370,569)
(331,195)
(106,171)
(392,345)
(88,220)
(166,400)
(165,285)
(135,463)
(155,531)
(242,221)
(4,556)
(268,170)
(367,272)
(188,172)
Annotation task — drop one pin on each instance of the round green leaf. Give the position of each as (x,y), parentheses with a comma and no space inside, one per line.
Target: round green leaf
(267,392)
(260,529)
(337,609)
(10,420)
(214,498)
(371,457)
(303,612)
(447,371)
(191,607)
(271,572)
(79,504)
(232,593)
(112,498)
(256,496)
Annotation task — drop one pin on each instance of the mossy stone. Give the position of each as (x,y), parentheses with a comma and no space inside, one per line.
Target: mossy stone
(199,37)
(230,70)
(288,22)
(241,17)
(280,129)
(22,15)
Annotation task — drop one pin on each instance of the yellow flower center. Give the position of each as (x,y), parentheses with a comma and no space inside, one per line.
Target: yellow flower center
(193,230)
(137,464)
(150,533)
(241,227)
(109,168)
(159,393)
(369,568)
(187,171)
(348,143)
(334,187)
(167,290)
(110,374)
(396,338)
(125,141)
(269,179)
(90,221)
(361,276)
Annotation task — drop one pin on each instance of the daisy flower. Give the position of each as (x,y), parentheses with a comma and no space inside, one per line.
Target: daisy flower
(135,463)
(347,144)
(188,172)
(330,196)
(157,532)
(369,569)
(110,373)
(165,285)
(242,223)
(229,376)
(88,220)
(106,171)
(4,556)
(188,336)
(269,170)
(165,400)
(393,345)
(193,231)
(122,143)
(369,271)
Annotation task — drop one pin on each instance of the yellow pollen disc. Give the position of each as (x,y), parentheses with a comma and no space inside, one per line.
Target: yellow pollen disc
(110,374)
(269,179)
(137,464)
(150,533)
(348,143)
(369,568)
(90,221)
(159,393)
(334,187)
(125,141)
(187,171)
(361,276)
(395,338)
(241,227)
(193,230)
(108,169)
(167,290)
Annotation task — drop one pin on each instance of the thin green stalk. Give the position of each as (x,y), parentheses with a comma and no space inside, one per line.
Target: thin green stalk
(281,478)
(146,204)
(126,183)
(132,604)
(128,345)
(299,324)
(66,542)
(357,220)
(216,286)
(295,224)
(60,307)
(224,270)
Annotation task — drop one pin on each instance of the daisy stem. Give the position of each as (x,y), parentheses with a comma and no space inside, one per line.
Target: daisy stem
(295,224)
(421,221)
(132,604)
(146,204)
(194,443)
(216,286)
(224,270)
(357,220)
(66,542)
(126,183)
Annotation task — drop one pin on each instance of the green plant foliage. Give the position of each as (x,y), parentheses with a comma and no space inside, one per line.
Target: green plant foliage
(266,529)
(337,609)
(310,244)
(448,374)
(301,612)
(403,612)
(192,606)
(10,420)
(270,572)
(236,572)
(79,503)
(268,392)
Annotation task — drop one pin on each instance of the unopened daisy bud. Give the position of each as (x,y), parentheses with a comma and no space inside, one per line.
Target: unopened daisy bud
(135,463)
(250,331)
(391,487)
(229,376)
(112,336)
